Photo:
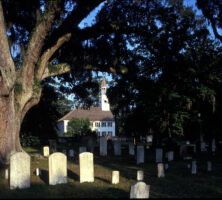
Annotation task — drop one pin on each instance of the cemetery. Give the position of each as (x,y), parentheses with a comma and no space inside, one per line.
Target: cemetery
(95,175)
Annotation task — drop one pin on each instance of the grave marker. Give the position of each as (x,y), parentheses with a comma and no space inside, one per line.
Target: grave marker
(103,146)
(115,177)
(140,154)
(139,190)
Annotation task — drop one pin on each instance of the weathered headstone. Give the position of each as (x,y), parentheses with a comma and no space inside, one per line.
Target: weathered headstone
(86,167)
(140,154)
(209,166)
(149,138)
(19,170)
(166,166)
(71,153)
(202,144)
(159,155)
(131,149)
(117,148)
(194,167)
(170,156)
(46,151)
(52,146)
(140,175)
(38,172)
(160,169)
(139,190)
(57,168)
(82,149)
(103,146)
(115,177)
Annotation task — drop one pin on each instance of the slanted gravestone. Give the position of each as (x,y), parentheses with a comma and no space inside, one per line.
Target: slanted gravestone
(103,146)
(52,146)
(160,169)
(209,166)
(46,151)
(19,170)
(194,167)
(71,153)
(140,154)
(159,155)
(86,167)
(170,156)
(57,168)
(117,148)
(115,177)
(139,190)
(82,149)
(131,149)
(140,175)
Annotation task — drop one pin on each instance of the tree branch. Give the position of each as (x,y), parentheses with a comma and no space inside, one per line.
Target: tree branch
(7,68)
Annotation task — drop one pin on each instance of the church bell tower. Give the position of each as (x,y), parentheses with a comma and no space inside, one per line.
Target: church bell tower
(104,102)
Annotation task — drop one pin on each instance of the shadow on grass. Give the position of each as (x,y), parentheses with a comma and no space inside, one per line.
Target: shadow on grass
(72,175)
(102,179)
(44,176)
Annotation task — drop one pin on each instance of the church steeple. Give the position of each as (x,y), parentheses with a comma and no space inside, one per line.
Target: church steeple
(104,103)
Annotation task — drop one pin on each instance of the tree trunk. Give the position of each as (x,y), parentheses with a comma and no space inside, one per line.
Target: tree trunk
(9,128)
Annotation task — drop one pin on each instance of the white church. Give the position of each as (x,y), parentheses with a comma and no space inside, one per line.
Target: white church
(101,118)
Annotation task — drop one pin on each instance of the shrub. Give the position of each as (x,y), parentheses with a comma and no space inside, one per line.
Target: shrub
(30,140)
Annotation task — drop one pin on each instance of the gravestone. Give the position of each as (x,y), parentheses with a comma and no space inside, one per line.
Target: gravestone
(140,175)
(71,153)
(46,151)
(183,150)
(166,166)
(139,190)
(52,146)
(202,144)
(209,166)
(117,148)
(7,172)
(149,138)
(188,166)
(160,169)
(57,168)
(213,145)
(131,149)
(159,155)
(38,172)
(115,177)
(86,167)
(82,149)
(170,156)
(194,167)
(19,170)
(140,154)
(103,146)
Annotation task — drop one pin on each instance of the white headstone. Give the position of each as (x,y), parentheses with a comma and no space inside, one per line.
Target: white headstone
(149,138)
(115,177)
(159,155)
(139,190)
(194,167)
(170,156)
(38,172)
(82,149)
(209,166)
(71,153)
(46,151)
(160,168)
(86,167)
(117,148)
(57,168)
(7,172)
(140,154)
(140,175)
(131,149)
(103,146)
(19,170)
(187,142)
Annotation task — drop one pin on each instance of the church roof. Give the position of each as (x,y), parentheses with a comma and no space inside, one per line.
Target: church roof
(93,114)
(103,84)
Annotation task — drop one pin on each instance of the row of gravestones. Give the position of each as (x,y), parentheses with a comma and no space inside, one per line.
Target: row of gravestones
(19,172)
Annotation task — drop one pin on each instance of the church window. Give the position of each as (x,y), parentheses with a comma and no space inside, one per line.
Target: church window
(103,124)
(97,124)
(109,124)
(104,133)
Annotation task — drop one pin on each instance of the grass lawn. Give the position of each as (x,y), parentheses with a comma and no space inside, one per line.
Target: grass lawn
(178,183)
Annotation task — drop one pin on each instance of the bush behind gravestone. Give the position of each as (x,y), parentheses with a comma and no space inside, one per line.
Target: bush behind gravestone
(28,141)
